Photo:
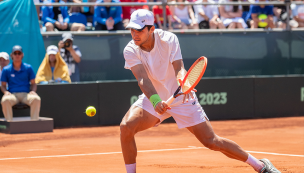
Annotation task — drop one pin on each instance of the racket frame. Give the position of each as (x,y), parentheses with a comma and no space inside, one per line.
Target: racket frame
(177,92)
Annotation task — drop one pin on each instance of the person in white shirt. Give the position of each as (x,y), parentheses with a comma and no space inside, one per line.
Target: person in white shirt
(232,15)
(208,16)
(4,61)
(183,16)
(298,14)
(155,59)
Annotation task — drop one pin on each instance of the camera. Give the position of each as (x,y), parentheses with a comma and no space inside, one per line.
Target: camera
(67,43)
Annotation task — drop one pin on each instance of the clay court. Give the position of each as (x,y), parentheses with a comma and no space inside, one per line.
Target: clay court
(165,149)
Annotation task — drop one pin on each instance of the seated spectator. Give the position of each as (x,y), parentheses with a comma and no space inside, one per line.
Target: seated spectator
(4,61)
(108,17)
(280,16)
(261,16)
(53,69)
(181,17)
(88,11)
(158,15)
(58,17)
(128,10)
(20,79)
(298,14)
(208,16)
(231,15)
(71,55)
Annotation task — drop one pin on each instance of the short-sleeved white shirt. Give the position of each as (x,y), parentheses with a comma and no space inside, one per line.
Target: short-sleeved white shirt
(157,62)
(209,10)
(298,10)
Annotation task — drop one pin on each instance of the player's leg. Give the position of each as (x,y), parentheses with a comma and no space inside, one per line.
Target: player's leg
(205,134)
(135,120)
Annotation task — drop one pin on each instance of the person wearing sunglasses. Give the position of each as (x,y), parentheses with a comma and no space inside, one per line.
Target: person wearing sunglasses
(20,79)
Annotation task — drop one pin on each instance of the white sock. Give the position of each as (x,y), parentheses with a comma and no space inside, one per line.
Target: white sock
(131,168)
(255,163)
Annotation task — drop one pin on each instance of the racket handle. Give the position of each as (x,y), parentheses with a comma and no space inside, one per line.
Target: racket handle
(170,100)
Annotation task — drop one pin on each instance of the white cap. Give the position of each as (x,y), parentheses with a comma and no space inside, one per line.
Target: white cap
(140,18)
(52,50)
(4,55)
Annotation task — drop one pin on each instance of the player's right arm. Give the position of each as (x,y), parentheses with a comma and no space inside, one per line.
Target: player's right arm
(147,87)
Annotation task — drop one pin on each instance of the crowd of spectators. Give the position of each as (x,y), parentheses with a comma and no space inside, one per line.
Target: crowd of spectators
(178,17)
(18,79)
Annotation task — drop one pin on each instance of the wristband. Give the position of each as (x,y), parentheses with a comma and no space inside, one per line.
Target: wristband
(154,99)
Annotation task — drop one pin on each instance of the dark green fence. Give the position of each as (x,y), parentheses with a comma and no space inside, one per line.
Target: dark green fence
(222,99)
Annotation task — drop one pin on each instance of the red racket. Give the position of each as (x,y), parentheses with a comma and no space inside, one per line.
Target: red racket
(191,79)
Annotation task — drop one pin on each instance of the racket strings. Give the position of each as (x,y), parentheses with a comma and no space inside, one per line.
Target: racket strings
(194,75)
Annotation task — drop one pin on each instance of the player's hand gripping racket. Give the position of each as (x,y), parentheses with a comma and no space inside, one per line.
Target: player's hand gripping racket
(191,79)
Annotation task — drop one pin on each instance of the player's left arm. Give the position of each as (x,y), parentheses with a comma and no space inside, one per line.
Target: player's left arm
(180,73)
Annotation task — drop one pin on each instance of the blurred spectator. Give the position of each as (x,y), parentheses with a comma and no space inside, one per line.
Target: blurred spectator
(231,15)
(108,17)
(208,16)
(261,15)
(88,11)
(71,55)
(128,10)
(280,15)
(158,15)
(20,78)
(298,14)
(58,17)
(183,17)
(53,69)
(4,61)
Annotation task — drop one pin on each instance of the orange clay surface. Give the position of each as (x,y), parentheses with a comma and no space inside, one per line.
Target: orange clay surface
(97,149)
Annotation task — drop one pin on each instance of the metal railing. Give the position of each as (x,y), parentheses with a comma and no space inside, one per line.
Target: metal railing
(164,3)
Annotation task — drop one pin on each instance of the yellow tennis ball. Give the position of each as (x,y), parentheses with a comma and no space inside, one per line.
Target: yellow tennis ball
(263,17)
(90,111)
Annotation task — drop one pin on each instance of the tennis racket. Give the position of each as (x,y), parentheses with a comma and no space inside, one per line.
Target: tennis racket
(191,79)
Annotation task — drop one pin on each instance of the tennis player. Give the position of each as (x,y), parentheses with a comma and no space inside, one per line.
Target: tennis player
(155,59)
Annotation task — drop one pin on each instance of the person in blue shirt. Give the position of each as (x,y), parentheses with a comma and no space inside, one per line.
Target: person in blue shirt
(108,17)
(58,17)
(261,16)
(20,79)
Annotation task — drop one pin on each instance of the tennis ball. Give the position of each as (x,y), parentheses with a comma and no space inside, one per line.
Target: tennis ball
(263,18)
(90,111)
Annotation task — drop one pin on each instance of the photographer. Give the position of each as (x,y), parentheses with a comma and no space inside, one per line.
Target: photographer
(71,55)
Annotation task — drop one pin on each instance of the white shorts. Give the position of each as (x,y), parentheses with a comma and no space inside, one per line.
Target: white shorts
(227,21)
(185,114)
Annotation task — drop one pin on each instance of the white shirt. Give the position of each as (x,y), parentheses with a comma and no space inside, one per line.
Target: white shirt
(209,10)
(157,62)
(298,10)
(229,8)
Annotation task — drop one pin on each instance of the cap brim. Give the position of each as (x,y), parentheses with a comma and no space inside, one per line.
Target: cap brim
(17,50)
(135,26)
(68,38)
(52,53)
